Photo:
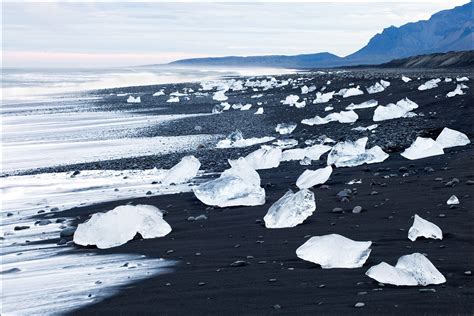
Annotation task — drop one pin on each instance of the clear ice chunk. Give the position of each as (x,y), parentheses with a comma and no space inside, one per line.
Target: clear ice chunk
(423,228)
(335,251)
(310,178)
(290,210)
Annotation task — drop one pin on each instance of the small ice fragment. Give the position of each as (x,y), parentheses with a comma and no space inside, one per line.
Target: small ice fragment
(462,79)
(430,84)
(236,139)
(323,97)
(455,92)
(266,157)
(220,95)
(362,129)
(310,178)
(335,251)
(447,79)
(328,108)
(290,210)
(341,117)
(286,143)
(351,154)
(423,228)
(354,181)
(406,79)
(453,200)
(376,88)
(120,225)
(450,138)
(285,128)
(239,185)
(410,270)
(304,90)
(183,171)
(158,93)
(393,111)
(290,100)
(246,107)
(364,105)
(259,111)
(173,100)
(313,152)
(345,93)
(133,100)
(422,148)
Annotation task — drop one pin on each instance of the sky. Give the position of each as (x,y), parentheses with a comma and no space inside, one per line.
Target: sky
(104,34)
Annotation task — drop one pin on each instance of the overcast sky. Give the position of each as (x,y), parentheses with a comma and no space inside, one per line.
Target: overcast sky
(115,34)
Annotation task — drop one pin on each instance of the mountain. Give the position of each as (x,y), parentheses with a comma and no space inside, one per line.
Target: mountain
(448,30)
(297,61)
(464,59)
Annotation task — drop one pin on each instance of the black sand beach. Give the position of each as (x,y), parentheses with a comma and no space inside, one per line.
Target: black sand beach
(273,279)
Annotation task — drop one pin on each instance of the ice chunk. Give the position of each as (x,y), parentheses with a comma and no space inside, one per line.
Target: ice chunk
(246,107)
(291,100)
(448,79)
(410,270)
(313,152)
(290,210)
(285,128)
(323,97)
(341,117)
(304,90)
(256,96)
(239,185)
(225,106)
(376,88)
(266,157)
(406,79)
(462,79)
(236,139)
(450,138)
(351,154)
(384,83)
(310,178)
(183,171)
(367,104)
(120,225)
(328,108)
(455,92)
(173,100)
(158,93)
(335,251)
(286,143)
(422,148)
(259,111)
(453,200)
(345,93)
(220,95)
(133,100)
(430,84)
(362,129)
(423,228)
(393,111)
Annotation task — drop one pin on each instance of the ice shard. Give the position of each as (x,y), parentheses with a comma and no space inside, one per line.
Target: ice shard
(290,210)
(423,228)
(310,178)
(410,270)
(450,138)
(422,148)
(120,225)
(335,251)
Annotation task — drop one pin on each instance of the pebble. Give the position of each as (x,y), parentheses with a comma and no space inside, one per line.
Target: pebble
(429,169)
(357,209)
(374,193)
(272,280)
(201,284)
(21,227)
(427,290)
(43,222)
(337,210)
(68,231)
(468,272)
(238,263)
(403,169)
(276,306)
(362,293)
(359,305)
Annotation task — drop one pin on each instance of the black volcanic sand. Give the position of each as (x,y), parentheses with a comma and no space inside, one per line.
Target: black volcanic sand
(274,280)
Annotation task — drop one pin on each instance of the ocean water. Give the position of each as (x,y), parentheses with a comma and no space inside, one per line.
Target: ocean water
(48,120)
(28,85)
